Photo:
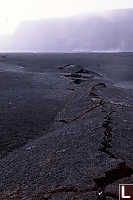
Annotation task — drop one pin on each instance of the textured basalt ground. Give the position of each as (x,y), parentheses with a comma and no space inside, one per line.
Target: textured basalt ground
(85,151)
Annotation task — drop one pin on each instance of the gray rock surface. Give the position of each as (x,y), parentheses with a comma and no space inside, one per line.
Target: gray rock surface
(86,152)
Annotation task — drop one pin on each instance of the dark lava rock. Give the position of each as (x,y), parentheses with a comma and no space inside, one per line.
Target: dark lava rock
(67,163)
(73,69)
(78,74)
(78,81)
(75,75)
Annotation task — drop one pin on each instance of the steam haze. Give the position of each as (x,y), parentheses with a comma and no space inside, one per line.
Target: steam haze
(60,25)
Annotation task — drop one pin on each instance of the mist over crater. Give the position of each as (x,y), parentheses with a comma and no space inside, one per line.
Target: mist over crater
(107,31)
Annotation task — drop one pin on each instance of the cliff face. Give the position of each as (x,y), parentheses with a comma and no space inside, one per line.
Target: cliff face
(108,31)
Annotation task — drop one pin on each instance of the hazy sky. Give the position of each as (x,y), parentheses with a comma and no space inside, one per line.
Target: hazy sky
(13,12)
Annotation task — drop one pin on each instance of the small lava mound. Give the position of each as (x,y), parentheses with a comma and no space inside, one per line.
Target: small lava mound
(78,73)
(75,68)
